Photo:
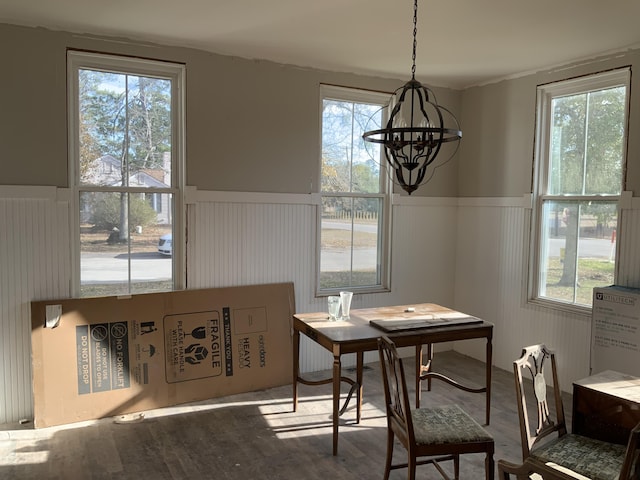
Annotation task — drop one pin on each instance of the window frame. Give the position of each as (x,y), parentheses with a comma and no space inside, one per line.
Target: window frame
(176,73)
(347,94)
(545,95)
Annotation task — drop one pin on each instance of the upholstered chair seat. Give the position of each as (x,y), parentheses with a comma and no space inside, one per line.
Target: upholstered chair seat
(592,458)
(446,424)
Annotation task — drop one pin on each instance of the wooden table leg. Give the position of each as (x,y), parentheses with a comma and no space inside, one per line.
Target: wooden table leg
(296,367)
(336,399)
(359,369)
(418,373)
(428,367)
(422,368)
(488,378)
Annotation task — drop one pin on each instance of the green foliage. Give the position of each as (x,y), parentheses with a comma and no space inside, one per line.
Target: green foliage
(125,116)
(106,209)
(141,213)
(587,143)
(347,166)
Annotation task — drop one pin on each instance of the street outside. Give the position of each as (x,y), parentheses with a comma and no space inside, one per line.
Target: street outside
(108,267)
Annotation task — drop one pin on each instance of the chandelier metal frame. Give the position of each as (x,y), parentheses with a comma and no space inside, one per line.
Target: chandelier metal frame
(415,130)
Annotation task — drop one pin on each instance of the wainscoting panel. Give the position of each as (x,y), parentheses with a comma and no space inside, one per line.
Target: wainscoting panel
(34,265)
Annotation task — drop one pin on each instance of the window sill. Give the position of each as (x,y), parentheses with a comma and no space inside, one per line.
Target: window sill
(556,305)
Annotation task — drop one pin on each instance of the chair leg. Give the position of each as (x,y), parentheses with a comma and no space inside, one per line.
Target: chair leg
(456,467)
(502,475)
(489,466)
(387,466)
(412,467)
(506,469)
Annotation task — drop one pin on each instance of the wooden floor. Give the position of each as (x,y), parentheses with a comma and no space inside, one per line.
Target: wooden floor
(256,436)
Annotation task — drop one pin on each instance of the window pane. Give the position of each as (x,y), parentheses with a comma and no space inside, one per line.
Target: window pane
(125,130)
(567,145)
(119,243)
(577,249)
(347,165)
(586,148)
(350,233)
(605,149)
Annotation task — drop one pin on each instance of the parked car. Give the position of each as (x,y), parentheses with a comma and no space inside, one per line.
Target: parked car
(164,244)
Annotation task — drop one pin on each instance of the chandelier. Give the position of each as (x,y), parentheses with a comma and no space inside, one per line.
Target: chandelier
(415,129)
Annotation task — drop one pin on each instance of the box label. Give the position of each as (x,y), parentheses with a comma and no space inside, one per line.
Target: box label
(250,327)
(196,345)
(102,357)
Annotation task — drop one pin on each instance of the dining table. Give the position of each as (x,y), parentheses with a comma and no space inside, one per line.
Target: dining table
(415,325)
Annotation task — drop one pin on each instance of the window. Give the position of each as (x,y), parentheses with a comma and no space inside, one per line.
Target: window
(355,203)
(126,142)
(580,163)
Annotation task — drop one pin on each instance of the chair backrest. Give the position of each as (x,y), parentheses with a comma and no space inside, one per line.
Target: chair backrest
(395,390)
(534,363)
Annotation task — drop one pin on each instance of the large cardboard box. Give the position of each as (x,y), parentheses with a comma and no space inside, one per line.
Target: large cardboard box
(99,357)
(615,330)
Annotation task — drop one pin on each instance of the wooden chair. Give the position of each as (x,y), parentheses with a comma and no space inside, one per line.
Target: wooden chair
(441,433)
(548,449)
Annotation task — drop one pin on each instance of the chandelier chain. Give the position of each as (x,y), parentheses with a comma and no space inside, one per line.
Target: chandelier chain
(415,33)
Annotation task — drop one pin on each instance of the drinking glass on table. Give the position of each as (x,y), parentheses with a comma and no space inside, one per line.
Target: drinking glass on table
(333,303)
(345,303)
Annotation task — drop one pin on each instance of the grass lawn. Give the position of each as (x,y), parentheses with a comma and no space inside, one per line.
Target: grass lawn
(592,273)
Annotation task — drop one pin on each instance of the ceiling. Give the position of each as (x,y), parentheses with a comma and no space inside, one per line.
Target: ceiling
(460,42)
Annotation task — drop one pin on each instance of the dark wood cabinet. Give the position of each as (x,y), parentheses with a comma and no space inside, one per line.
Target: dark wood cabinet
(606,406)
